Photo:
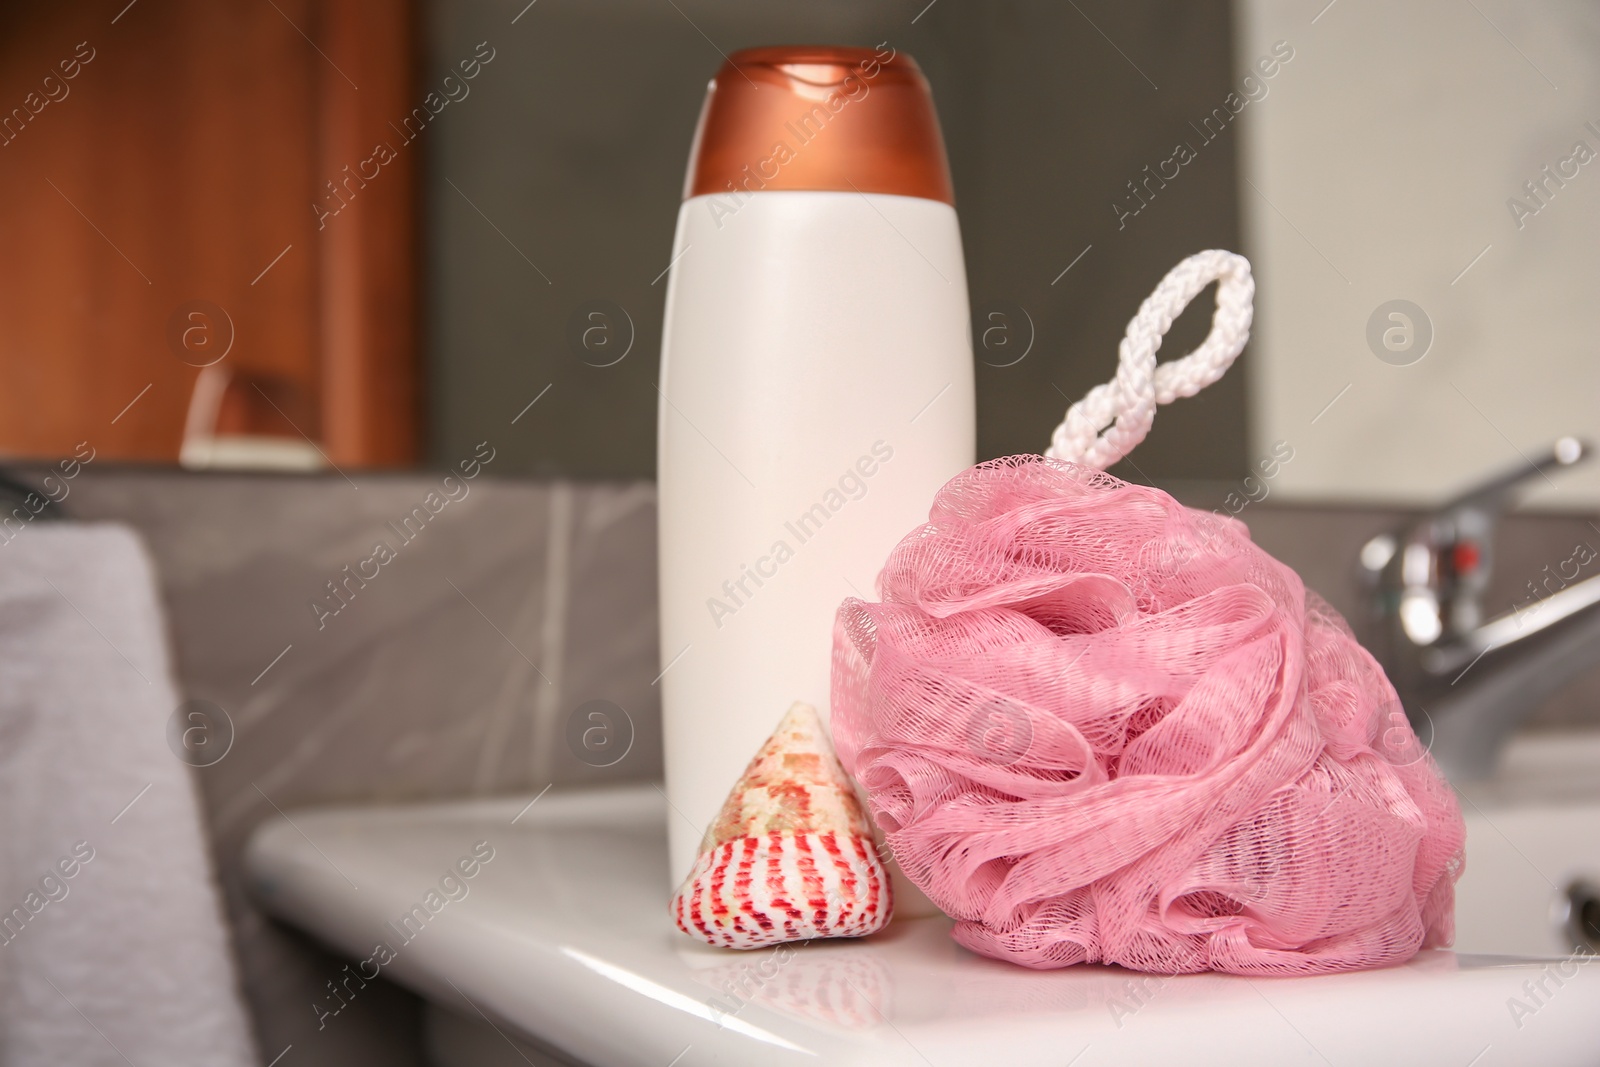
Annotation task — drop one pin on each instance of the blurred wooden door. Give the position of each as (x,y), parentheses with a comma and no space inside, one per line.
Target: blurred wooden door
(161,167)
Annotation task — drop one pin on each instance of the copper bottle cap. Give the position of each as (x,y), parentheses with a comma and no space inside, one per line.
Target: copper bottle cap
(819,117)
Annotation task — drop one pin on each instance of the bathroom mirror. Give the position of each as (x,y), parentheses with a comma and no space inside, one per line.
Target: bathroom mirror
(354,234)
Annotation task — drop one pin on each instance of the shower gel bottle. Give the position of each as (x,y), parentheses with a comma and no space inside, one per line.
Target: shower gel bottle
(816,390)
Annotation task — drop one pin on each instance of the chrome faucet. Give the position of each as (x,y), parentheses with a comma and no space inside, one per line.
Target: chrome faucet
(1465,681)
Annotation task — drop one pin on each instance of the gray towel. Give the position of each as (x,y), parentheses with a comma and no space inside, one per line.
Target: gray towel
(112,943)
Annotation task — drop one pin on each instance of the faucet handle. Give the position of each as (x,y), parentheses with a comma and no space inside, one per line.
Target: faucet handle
(1486,501)
(1433,575)
(1495,494)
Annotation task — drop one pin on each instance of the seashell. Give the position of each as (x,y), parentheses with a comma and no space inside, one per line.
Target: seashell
(790,857)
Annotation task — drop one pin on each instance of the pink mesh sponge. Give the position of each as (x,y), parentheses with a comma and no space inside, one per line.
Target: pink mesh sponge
(1098,726)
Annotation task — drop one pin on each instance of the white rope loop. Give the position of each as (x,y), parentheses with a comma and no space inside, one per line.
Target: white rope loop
(1113,418)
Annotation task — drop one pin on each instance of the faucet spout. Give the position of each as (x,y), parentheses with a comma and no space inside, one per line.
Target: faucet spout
(1518,624)
(1469,709)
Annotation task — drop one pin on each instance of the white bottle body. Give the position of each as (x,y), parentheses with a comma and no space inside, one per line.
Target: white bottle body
(816,392)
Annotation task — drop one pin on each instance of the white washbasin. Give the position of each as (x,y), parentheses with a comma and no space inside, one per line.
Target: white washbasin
(1533,831)
(563,938)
